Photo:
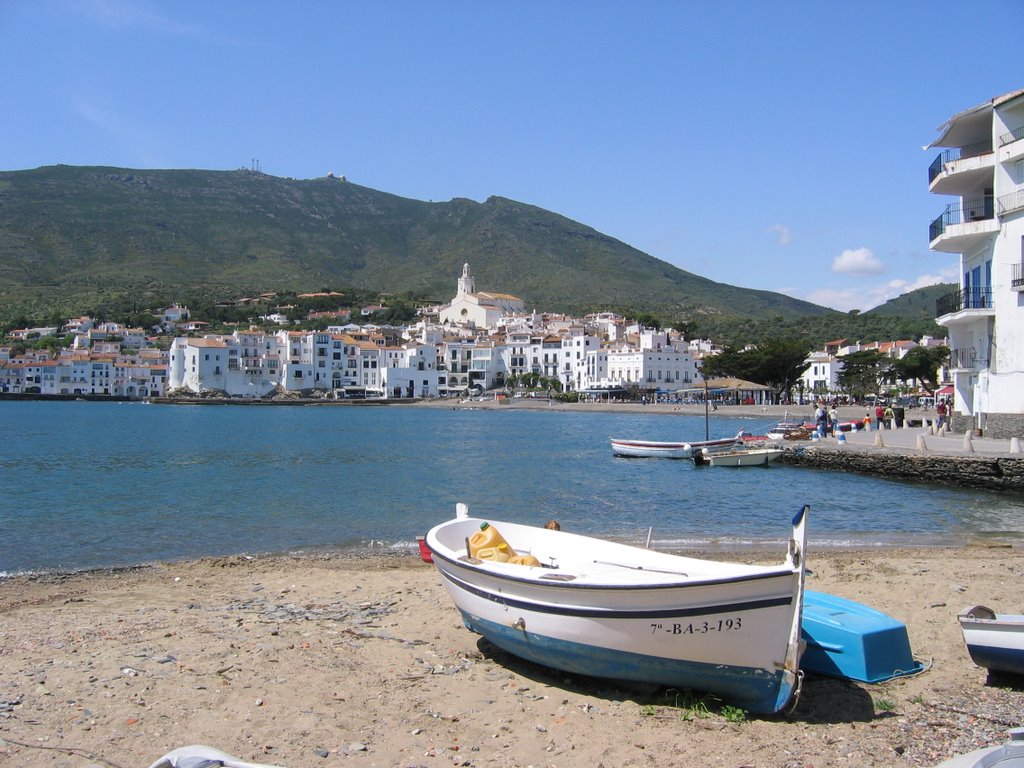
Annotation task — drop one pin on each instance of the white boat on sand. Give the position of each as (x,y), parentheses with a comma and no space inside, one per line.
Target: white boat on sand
(995,641)
(747,457)
(651,449)
(1008,755)
(201,756)
(609,610)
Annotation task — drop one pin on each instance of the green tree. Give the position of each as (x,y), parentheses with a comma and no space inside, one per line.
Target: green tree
(861,372)
(776,363)
(648,320)
(782,363)
(921,364)
(729,362)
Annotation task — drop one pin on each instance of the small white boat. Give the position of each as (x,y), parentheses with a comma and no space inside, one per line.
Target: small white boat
(649,449)
(747,457)
(603,609)
(1008,755)
(200,756)
(995,641)
(789,429)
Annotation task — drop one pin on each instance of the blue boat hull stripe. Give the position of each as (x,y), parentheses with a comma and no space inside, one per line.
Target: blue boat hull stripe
(1008,660)
(610,613)
(755,690)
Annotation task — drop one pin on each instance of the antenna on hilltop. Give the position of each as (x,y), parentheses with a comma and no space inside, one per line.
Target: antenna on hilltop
(256,166)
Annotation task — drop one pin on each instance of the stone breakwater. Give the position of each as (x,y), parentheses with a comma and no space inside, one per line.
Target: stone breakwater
(1005,473)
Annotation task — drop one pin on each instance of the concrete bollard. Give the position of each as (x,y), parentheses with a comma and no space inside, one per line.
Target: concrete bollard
(968,446)
(921,445)
(1015,445)
(931,428)
(892,423)
(879,442)
(841,437)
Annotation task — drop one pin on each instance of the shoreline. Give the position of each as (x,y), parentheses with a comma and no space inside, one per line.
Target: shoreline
(311,660)
(401,556)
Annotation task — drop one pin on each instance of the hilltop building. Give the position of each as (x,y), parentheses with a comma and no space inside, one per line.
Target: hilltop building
(478,309)
(982,165)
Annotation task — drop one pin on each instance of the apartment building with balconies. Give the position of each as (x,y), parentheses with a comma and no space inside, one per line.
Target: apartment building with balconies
(981,166)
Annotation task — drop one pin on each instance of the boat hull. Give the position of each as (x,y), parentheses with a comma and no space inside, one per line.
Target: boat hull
(640,449)
(994,641)
(734,636)
(754,457)
(751,688)
(853,641)
(652,449)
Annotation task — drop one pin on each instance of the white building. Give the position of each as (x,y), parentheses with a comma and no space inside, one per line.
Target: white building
(656,363)
(577,344)
(821,377)
(982,166)
(479,309)
(198,364)
(411,371)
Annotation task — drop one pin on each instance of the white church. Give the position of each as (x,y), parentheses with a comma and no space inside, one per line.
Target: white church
(478,309)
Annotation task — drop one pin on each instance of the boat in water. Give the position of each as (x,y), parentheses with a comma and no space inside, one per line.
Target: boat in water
(995,641)
(649,449)
(599,608)
(745,457)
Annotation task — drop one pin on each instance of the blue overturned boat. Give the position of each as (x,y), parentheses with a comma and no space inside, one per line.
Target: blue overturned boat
(853,641)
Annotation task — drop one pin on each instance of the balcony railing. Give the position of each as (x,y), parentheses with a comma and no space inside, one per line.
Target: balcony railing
(957,153)
(1017,277)
(967,357)
(1012,136)
(958,301)
(970,210)
(1011,202)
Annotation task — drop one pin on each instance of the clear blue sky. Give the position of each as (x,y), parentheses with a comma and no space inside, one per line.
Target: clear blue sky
(771,145)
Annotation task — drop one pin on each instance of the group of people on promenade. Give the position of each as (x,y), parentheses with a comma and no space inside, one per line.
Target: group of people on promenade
(826,416)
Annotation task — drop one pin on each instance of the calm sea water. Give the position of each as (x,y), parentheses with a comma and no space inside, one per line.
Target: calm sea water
(86,485)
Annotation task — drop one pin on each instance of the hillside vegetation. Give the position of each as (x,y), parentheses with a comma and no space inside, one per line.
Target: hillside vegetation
(76,238)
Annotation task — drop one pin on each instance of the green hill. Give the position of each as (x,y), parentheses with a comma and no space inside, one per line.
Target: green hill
(915,304)
(72,237)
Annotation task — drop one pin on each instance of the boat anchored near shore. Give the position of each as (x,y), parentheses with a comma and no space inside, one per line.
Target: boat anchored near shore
(650,449)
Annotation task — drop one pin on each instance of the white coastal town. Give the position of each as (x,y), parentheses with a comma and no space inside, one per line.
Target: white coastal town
(482,340)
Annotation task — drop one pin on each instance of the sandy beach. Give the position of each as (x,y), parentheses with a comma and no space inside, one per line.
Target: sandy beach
(328,660)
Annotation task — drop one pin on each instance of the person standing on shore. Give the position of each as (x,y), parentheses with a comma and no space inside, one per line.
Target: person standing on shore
(820,420)
(880,416)
(941,412)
